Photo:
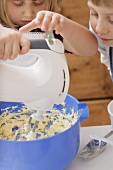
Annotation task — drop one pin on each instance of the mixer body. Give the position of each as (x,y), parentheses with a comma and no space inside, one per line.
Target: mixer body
(42,83)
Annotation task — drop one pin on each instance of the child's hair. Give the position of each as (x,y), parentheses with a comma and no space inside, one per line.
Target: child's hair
(52,5)
(107,3)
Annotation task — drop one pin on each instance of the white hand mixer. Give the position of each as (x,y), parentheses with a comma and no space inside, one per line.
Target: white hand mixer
(38,84)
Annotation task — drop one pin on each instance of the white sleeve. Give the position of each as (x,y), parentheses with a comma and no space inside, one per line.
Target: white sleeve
(103,49)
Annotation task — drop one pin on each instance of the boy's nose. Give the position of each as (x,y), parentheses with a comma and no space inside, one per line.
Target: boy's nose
(101,27)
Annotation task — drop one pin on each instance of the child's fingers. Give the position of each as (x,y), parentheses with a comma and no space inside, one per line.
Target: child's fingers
(54,23)
(11,47)
(11,43)
(60,26)
(46,21)
(25,45)
(39,17)
(32,25)
(15,50)
(1,50)
(7,50)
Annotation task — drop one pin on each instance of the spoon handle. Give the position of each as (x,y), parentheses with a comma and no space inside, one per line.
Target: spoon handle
(109,134)
(103,139)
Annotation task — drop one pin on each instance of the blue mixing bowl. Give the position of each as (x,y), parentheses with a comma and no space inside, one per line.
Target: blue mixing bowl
(52,153)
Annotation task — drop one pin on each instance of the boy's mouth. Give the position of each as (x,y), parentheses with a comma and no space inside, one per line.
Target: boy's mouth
(105,39)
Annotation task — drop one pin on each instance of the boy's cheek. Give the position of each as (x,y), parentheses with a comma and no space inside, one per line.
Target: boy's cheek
(93,24)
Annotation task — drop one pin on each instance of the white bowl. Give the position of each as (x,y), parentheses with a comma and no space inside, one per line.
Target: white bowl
(110,111)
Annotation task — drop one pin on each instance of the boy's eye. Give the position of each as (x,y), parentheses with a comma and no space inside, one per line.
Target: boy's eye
(111,21)
(93,14)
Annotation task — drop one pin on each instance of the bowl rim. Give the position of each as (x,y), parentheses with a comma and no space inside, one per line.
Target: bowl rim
(50,137)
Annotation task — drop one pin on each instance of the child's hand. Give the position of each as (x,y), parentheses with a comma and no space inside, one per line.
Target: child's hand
(47,21)
(12,43)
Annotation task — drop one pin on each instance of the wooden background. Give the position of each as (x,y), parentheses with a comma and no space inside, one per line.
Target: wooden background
(89,79)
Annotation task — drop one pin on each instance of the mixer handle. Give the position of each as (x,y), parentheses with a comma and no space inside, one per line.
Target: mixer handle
(48,43)
(41,43)
(38,44)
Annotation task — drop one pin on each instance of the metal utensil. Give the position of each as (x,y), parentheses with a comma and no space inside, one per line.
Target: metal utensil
(102,139)
(94,147)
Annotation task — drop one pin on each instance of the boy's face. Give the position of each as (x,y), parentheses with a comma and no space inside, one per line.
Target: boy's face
(21,12)
(101,20)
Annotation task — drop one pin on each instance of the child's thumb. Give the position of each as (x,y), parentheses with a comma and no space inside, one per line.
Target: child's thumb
(24,44)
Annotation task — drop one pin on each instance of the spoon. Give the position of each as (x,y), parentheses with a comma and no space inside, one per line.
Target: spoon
(103,139)
(96,146)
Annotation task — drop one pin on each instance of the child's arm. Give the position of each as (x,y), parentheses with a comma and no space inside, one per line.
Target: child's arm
(77,39)
(12,43)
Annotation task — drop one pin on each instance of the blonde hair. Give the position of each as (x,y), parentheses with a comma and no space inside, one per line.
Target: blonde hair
(107,3)
(52,5)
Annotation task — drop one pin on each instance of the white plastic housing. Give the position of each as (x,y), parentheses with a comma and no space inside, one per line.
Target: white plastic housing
(40,85)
